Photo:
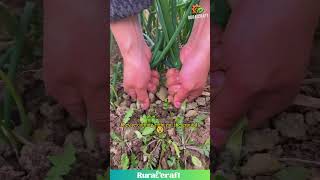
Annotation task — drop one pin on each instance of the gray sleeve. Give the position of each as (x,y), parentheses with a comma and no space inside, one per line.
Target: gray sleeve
(123,8)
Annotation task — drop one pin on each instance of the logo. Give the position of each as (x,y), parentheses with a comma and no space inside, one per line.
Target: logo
(197,12)
(160,129)
(197,9)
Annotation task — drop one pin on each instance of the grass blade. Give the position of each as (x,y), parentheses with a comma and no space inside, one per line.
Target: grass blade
(25,124)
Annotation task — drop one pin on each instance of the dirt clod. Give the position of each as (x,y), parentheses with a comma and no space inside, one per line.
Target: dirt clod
(258,140)
(34,158)
(291,125)
(312,117)
(52,112)
(191,113)
(8,173)
(162,94)
(76,139)
(152,97)
(201,101)
(260,164)
(191,106)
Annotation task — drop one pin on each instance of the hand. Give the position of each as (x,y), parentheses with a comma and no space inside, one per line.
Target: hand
(190,81)
(75,66)
(138,78)
(195,58)
(262,63)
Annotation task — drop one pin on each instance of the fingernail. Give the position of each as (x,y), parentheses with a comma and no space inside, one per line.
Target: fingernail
(144,107)
(177,104)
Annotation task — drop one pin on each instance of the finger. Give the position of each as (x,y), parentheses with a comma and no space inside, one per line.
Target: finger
(269,104)
(172,72)
(155,81)
(217,80)
(132,93)
(143,98)
(155,74)
(170,98)
(194,94)
(174,80)
(180,96)
(71,100)
(152,88)
(97,108)
(172,90)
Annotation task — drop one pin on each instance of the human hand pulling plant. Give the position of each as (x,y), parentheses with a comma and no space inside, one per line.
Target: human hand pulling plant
(138,79)
(189,82)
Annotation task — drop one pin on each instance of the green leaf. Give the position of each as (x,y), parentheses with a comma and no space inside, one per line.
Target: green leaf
(234,144)
(180,130)
(124,161)
(25,126)
(138,134)
(90,136)
(176,148)
(144,119)
(134,161)
(206,148)
(171,161)
(200,119)
(128,116)
(115,137)
(196,161)
(61,163)
(293,173)
(148,130)
(26,17)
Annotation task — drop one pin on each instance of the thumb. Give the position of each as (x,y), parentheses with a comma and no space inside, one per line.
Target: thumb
(143,98)
(181,95)
(97,108)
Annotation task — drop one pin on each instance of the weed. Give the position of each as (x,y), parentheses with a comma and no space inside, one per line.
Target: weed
(61,163)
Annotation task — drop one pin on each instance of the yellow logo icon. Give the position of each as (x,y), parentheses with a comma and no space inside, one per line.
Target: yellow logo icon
(160,129)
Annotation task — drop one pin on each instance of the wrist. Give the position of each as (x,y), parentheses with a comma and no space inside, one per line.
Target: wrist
(128,35)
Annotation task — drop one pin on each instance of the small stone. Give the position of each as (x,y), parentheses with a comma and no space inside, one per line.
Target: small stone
(162,94)
(201,101)
(121,110)
(260,164)
(75,138)
(52,112)
(152,97)
(291,125)
(171,132)
(277,151)
(259,140)
(205,93)
(191,106)
(158,102)
(125,96)
(312,117)
(138,105)
(128,134)
(133,106)
(191,113)
(125,103)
